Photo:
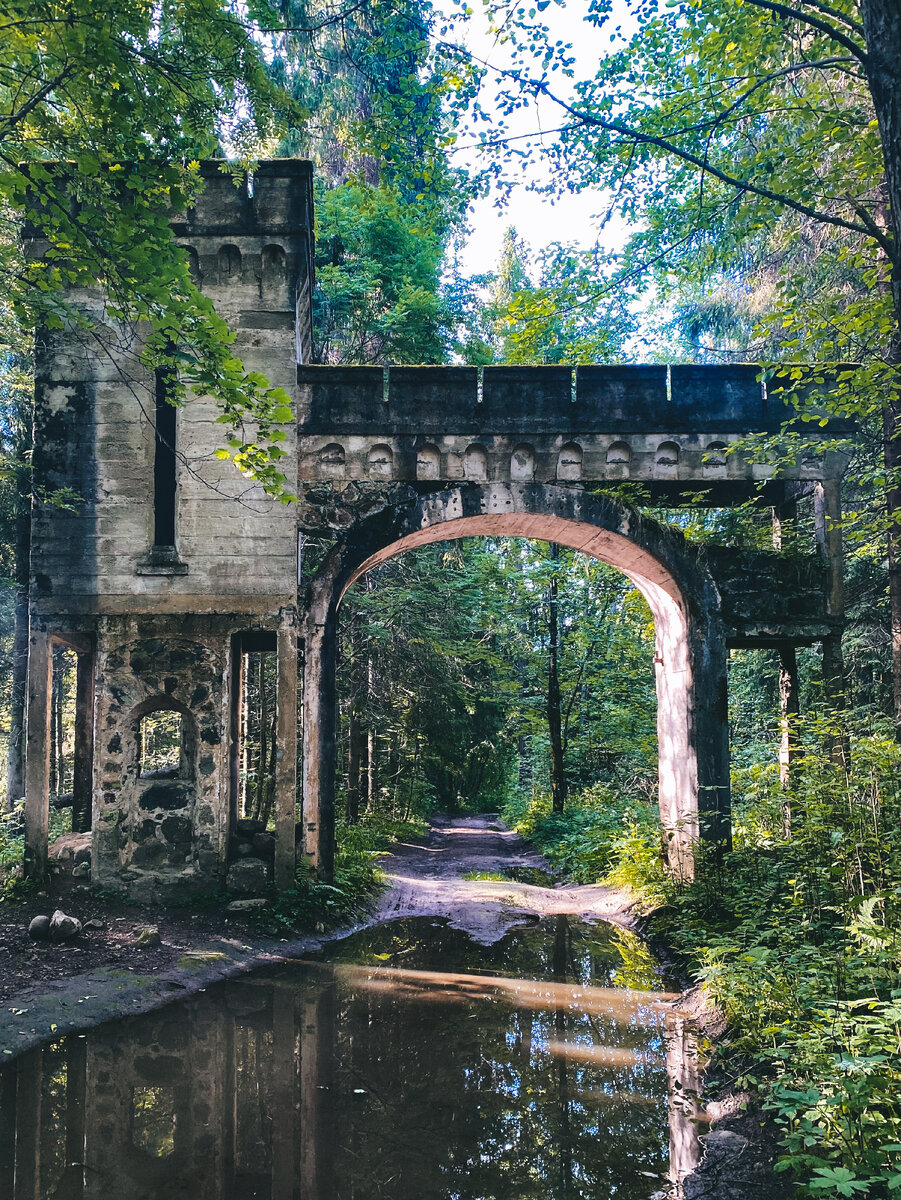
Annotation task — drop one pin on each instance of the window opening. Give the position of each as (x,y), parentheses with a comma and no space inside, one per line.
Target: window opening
(62,728)
(164,460)
(256,773)
(153,1118)
(160,742)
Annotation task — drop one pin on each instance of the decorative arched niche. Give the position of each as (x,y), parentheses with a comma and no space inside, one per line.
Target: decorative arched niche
(569,462)
(715,458)
(428,462)
(331,460)
(380,462)
(475,462)
(522,463)
(619,455)
(229,264)
(666,459)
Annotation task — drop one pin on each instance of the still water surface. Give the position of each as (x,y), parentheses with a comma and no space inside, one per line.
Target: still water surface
(412,1065)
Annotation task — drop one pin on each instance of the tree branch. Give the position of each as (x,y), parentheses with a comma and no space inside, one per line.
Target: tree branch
(794,14)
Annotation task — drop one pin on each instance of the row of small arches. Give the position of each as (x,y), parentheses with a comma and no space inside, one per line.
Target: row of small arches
(230,265)
(380,460)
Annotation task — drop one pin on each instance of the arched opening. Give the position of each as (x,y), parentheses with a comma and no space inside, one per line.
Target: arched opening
(380,461)
(475,462)
(522,463)
(428,462)
(689,657)
(569,462)
(229,263)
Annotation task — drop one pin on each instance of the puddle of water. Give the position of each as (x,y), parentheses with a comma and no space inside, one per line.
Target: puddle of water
(411,1065)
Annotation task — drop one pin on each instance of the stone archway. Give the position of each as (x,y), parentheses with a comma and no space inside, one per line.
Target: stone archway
(690,655)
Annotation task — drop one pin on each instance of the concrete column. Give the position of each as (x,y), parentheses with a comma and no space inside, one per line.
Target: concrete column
(83,766)
(789,708)
(286,752)
(319,757)
(827,514)
(37,754)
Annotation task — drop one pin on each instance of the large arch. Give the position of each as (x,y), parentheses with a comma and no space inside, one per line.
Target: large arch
(690,654)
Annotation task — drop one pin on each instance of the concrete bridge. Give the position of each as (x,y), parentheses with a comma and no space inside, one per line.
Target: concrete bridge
(172,568)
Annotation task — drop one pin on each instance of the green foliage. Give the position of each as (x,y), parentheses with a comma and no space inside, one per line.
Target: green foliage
(104,114)
(602,835)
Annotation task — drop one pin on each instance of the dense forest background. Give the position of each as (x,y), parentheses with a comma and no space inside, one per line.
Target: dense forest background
(753,152)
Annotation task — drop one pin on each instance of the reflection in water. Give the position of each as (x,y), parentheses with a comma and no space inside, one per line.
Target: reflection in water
(418,1066)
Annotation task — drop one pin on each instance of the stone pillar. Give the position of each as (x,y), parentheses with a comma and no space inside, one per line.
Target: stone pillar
(319,758)
(37,754)
(83,766)
(286,752)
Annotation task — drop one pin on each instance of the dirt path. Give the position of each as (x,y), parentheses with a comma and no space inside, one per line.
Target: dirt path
(427,879)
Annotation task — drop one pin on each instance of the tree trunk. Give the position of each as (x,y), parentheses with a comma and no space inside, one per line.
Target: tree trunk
(554,716)
(882,29)
(15,778)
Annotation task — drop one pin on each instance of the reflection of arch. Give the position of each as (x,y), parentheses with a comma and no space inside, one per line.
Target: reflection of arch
(331,460)
(666,460)
(475,462)
(522,463)
(428,462)
(229,263)
(690,655)
(619,454)
(569,461)
(380,461)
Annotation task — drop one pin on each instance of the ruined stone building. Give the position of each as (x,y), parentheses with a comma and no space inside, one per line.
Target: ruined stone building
(173,567)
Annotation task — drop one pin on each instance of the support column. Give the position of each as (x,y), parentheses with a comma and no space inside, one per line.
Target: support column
(827,514)
(37,754)
(286,752)
(83,766)
(789,708)
(319,758)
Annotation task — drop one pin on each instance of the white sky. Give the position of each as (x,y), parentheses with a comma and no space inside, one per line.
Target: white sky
(537,219)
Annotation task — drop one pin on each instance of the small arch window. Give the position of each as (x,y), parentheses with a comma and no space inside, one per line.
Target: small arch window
(569,462)
(715,457)
(229,264)
(475,462)
(274,260)
(428,462)
(666,460)
(380,462)
(522,463)
(193,263)
(619,454)
(161,744)
(331,460)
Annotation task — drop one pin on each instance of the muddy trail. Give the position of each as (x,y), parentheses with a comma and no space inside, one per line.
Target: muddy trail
(446,874)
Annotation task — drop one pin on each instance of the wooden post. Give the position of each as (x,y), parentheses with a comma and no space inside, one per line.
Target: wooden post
(286,752)
(83,766)
(37,754)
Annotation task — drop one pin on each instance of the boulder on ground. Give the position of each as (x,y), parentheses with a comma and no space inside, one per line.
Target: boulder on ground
(39,929)
(82,870)
(146,936)
(63,927)
(246,876)
(69,847)
(246,906)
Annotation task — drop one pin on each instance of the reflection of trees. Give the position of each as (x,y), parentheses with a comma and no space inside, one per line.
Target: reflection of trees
(314,1083)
